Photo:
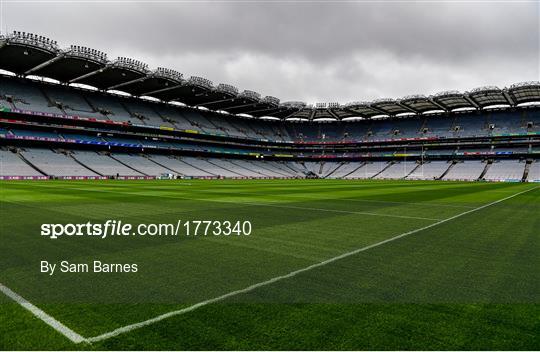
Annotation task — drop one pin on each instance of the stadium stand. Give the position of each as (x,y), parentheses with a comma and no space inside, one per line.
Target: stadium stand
(110,107)
(11,164)
(277,169)
(313,167)
(103,164)
(505,170)
(54,163)
(70,101)
(140,164)
(145,112)
(431,170)
(534,172)
(250,170)
(468,170)
(369,170)
(129,121)
(345,169)
(398,170)
(212,166)
(179,166)
(26,96)
(328,167)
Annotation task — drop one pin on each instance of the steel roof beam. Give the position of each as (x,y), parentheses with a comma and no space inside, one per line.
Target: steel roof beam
(89,74)
(276,112)
(333,114)
(261,110)
(472,101)
(513,96)
(217,101)
(508,98)
(242,106)
(162,90)
(407,108)
(355,113)
(119,85)
(44,64)
(201,94)
(381,110)
(294,111)
(436,103)
(291,114)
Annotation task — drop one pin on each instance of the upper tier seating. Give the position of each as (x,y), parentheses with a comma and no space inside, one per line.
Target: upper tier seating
(72,101)
(168,112)
(145,113)
(113,108)
(27,96)
(58,99)
(197,119)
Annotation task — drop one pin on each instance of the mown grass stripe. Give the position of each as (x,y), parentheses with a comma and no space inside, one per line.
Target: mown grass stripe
(291,274)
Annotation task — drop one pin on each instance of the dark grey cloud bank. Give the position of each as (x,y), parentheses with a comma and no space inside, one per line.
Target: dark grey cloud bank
(312,51)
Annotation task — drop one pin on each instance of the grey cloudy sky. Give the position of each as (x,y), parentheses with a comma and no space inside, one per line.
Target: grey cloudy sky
(311,51)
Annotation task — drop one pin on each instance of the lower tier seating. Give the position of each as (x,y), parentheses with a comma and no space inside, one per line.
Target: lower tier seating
(40,162)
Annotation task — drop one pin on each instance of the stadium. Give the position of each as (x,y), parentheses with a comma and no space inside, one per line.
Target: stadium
(398,223)
(189,128)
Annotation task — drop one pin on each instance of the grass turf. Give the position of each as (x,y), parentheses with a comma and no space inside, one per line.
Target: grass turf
(470,283)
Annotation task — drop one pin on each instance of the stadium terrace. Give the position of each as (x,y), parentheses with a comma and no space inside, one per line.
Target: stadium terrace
(99,118)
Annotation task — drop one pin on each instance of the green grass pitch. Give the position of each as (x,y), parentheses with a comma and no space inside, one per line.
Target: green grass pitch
(472,282)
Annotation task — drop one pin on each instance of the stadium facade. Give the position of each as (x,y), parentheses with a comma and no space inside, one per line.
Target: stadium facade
(119,119)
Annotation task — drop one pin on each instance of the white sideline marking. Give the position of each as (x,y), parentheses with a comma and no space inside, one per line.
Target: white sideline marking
(268,204)
(141,324)
(55,324)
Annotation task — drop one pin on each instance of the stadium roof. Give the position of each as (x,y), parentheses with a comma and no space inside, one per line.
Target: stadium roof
(27,54)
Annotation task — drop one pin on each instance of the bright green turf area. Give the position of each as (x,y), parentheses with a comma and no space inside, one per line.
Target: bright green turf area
(469,283)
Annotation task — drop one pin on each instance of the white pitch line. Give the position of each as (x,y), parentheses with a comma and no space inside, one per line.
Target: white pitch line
(38,313)
(141,324)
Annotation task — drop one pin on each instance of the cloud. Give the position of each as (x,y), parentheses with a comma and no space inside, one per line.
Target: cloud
(311,51)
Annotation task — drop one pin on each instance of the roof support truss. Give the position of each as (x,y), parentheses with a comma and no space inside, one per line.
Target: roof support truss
(508,98)
(162,90)
(46,63)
